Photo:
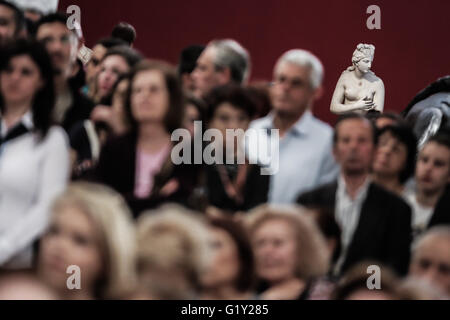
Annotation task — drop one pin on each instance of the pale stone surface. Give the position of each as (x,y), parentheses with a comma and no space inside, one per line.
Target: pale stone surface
(359,89)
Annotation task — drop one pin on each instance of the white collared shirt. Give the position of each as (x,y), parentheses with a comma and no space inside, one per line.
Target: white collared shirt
(32,174)
(305,158)
(347,213)
(27,121)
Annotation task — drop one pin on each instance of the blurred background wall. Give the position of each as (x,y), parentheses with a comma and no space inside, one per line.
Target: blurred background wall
(412,47)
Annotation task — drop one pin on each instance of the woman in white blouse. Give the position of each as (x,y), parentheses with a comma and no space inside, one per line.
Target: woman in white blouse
(34,158)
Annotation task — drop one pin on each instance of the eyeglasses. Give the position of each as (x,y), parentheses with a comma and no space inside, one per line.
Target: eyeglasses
(295,83)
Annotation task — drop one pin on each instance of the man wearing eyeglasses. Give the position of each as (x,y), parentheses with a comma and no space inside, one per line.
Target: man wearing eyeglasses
(305,146)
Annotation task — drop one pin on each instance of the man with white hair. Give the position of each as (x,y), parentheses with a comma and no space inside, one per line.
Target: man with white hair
(431,258)
(222,62)
(305,146)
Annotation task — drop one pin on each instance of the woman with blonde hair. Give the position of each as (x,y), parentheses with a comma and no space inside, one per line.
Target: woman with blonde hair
(92,232)
(289,251)
(172,253)
(359,89)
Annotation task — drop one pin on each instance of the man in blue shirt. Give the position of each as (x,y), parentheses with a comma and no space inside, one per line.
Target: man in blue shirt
(305,145)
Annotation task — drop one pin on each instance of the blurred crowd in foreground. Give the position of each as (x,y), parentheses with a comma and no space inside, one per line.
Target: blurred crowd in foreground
(92,205)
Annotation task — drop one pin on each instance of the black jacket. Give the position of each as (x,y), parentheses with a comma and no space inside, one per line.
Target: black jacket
(117,169)
(80,110)
(384,231)
(254,193)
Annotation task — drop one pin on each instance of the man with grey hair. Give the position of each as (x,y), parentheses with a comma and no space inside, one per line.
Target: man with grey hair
(305,146)
(431,258)
(222,62)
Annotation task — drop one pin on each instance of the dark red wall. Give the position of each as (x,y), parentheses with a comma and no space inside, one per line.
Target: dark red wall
(412,47)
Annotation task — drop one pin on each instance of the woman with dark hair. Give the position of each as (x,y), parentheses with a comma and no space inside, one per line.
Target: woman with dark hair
(92,67)
(34,157)
(114,117)
(259,93)
(381,120)
(195,110)
(236,186)
(395,158)
(138,164)
(230,274)
(88,136)
(116,62)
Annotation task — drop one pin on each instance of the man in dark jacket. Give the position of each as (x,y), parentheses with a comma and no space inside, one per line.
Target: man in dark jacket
(375,224)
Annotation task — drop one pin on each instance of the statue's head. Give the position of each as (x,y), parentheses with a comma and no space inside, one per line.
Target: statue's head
(363,57)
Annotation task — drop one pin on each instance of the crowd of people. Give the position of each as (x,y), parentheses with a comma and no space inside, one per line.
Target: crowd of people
(87,178)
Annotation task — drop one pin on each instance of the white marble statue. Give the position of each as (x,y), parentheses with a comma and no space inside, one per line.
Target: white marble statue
(359,89)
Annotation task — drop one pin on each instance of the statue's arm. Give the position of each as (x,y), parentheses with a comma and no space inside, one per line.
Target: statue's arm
(378,99)
(337,101)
